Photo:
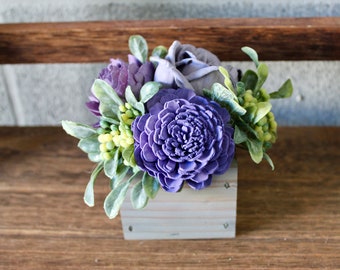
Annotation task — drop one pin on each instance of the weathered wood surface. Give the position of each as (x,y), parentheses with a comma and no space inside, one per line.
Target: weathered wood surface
(190,214)
(274,39)
(286,219)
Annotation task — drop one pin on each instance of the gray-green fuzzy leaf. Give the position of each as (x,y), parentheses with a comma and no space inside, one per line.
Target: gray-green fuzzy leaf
(128,155)
(110,166)
(89,190)
(222,94)
(121,172)
(239,135)
(240,88)
(138,47)
(262,109)
(131,99)
(226,97)
(160,51)
(252,54)
(115,199)
(262,72)
(109,112)
(150,185)
(269,160)
(139,198)
(285,91)
(89,144)
(249,79)
(255,149)
(105,93)
(148,90)
(78,130)
(94,156)
(227,81)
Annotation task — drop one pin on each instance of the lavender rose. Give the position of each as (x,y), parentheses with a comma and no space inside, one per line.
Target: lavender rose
(186,66)
(183,138)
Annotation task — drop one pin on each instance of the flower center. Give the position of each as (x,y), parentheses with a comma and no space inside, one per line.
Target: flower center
(188,135)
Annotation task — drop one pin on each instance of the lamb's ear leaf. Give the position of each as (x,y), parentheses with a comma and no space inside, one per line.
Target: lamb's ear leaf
(150,185)
(252,54)
(269,160)
(139,198)
(255,148)
(138,47)
(105,93)
(285,91)
(148,90)
(77,130)
(89,190)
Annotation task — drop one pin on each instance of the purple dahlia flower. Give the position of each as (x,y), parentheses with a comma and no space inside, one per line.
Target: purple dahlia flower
(183,138)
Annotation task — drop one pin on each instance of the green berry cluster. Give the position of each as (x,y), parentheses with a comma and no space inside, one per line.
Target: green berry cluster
(266,127)
(112,136)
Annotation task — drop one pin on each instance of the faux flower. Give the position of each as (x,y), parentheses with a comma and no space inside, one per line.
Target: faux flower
(174,120)
(186,66)
(93,105)
(119,74)
(183,138)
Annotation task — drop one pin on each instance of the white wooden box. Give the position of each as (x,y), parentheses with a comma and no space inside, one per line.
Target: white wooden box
(189,214)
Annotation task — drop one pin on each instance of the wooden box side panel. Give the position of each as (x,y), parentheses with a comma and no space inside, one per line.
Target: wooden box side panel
(189,214)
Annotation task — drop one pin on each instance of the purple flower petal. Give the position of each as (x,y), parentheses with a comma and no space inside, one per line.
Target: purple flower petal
(183,138)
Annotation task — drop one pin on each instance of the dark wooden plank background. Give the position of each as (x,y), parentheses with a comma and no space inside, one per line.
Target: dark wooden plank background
(274,39)
(287,219)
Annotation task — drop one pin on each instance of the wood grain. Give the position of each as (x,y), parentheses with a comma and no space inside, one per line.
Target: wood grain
(274,39)
(190,214)
(286,219)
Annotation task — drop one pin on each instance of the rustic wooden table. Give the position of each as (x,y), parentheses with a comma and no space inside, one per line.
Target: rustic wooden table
(287,219)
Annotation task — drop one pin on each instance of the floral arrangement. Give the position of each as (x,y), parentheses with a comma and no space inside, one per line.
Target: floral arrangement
(173,118)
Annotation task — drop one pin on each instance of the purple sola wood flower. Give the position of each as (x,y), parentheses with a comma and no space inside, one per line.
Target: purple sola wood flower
(186,66)
(183,138)
(119,75)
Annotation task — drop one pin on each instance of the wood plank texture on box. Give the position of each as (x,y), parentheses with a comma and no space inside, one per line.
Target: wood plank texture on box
(189,214)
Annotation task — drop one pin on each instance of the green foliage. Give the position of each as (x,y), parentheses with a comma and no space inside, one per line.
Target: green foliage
(141,192)
(110,165)
(138,47)
(255,149)
(89,191)
(262,73)
(115,198)
(105,93)
(227,81)
(89,144)
(285,91)
(128,156)
(252,54)
(139,198)
(148,90)
(151,185)
(250,107)
(225,97)
(249,79)
(111,145)
(262,109)
(77,130)
(160,51)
